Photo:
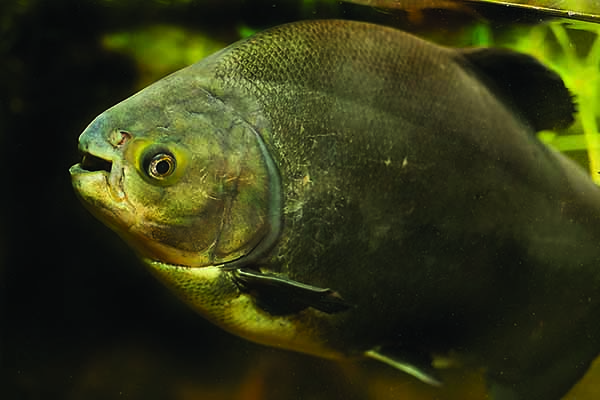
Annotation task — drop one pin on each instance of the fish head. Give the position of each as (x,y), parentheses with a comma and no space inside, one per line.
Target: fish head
(178,175)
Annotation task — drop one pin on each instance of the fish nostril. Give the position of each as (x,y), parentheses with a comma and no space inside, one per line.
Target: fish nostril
(92,163)
(125,136)
(118,137)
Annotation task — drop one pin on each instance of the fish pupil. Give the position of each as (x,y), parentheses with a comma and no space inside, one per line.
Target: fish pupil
(161,165)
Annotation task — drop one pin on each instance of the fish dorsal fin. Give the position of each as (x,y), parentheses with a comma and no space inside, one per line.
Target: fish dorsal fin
(280,296)
(418,365)
(536,92)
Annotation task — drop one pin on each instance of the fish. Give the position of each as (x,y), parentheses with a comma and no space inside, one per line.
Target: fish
(351,191)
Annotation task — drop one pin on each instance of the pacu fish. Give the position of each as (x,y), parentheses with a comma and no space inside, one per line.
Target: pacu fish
(348,190)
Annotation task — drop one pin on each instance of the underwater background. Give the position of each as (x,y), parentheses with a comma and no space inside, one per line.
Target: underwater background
(80,318)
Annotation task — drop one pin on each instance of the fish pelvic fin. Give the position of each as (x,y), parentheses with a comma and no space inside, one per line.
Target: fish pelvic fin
(418,365)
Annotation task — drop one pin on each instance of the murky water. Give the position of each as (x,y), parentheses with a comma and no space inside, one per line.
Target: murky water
(81,318)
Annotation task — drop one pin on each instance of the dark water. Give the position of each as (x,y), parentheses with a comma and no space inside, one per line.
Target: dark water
(80,317)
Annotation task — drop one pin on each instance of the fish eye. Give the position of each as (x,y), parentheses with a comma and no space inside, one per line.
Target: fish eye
(160,166)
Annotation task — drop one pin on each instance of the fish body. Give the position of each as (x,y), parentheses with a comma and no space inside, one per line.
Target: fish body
(348,190)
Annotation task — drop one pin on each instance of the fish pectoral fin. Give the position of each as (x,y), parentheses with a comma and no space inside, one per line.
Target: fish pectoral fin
(419,365)
(281,296)
(534,91)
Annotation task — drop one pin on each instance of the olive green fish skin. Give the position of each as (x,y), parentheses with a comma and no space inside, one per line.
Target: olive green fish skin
(403,182)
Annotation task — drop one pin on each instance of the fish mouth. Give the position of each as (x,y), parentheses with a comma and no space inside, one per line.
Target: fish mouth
(91,163)
(99,171)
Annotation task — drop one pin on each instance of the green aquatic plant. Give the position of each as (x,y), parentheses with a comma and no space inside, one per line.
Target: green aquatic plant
(245,31)
(160,49)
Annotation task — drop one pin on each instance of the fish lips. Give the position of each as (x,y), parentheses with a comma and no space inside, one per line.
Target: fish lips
(98,182)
